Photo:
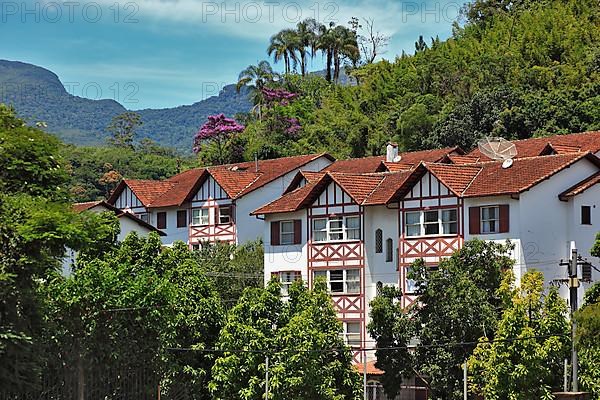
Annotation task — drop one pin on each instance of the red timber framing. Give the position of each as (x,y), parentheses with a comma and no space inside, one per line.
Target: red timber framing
(211,196)
(428,194)
(339,255)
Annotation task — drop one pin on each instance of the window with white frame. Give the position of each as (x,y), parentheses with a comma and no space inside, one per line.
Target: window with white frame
(224,214)
(287,278)
(450,221)
(336,229)
(200,216)
(341,280)
(490,219)
(144,217)
(286,232)
(352,333)
(431,222)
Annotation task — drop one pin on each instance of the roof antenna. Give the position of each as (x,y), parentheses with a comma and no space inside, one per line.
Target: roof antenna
(256,161)
(498,148)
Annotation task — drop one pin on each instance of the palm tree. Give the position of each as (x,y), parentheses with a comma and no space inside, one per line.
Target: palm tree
(306,34)
(345,45)
(326,43)
(283,47)
(256,78)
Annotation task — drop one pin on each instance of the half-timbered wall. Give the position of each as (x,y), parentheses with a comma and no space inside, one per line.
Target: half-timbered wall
(128,200)
(211,196)
(339,255)
(426,195)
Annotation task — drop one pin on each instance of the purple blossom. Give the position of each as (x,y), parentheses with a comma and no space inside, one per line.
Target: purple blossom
(278,95)
(216,126)
(293,126)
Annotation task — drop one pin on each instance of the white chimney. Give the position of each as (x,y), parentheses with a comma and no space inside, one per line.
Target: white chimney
(392,152)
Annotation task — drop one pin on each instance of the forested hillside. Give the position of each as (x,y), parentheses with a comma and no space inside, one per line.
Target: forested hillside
(37,94)
(512,69)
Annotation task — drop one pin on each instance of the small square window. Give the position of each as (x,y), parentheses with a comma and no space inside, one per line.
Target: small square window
(490,219)
(432,225)
(336,229)
(450,222)
(413,223)
(353,228)
(319,231)
(224,215)
(586,215)
(286,232)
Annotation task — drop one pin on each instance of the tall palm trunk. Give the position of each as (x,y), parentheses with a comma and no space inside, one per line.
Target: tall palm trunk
(303,63)
(328,68)
(336,66)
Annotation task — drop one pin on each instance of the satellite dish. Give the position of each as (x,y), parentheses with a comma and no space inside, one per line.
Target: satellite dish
(397,158)
(498,149)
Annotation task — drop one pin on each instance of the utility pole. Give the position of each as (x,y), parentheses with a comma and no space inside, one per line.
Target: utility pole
(465,387)
(573,286)
(365,393)
(267,378)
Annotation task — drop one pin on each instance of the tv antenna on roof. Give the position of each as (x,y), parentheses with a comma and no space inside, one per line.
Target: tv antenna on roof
(498,148)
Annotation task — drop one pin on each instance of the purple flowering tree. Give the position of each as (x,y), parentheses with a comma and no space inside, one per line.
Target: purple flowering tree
(278,96)
(216,131)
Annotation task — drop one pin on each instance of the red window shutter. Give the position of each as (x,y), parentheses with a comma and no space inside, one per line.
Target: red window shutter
(275,233)
(297,231)
(474,220)
(181,218)
(504,218)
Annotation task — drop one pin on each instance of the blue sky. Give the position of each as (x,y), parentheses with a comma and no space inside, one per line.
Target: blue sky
(165,53)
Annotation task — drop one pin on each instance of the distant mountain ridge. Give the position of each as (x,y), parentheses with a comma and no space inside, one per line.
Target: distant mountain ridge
(37,94)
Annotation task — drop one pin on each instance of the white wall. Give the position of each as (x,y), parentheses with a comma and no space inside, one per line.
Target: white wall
(249,227)
(172,231)
(285,257)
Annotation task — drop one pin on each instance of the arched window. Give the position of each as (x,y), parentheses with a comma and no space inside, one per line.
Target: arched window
(378,241)
(389,250)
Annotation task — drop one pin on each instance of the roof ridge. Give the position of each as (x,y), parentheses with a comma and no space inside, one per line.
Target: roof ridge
(472,180)
(374,189)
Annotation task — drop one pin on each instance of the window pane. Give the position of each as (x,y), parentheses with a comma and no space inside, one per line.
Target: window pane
(413,230)
(450,228)
(431,216)
(319,224)
(287,227)
(337,287)
(336,275)
(319,233)
(352,275)
(320,274)
(353,287)
(413,218)
(489,213)
(432,228)
(449,215)
(353,327)
(335,223)
(352,222)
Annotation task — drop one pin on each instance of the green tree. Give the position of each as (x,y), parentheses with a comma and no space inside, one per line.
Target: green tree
(123,128)
(301,337)
(283,46)
(524,359)
(123,309)
(459,302)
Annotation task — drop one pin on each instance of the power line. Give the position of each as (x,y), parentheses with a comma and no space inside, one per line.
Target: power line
(359,349)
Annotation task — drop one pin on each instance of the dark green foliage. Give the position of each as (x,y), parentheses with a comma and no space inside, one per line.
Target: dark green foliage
(123,310)
(95,171)
(459,302)
(233,268)
(291,334)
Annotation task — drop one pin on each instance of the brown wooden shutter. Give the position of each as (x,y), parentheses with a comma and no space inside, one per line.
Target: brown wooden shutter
(181,218)
(275,233)
(161,220)
(504,218)
(474,220)
(297,231)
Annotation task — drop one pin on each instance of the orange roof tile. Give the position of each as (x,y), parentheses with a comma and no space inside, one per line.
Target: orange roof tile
(408,160)
(371,368)
(236,179)
(580,187)
(576,142)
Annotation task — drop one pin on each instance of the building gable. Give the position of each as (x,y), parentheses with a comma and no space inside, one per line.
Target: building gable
(128,200)
(210,190)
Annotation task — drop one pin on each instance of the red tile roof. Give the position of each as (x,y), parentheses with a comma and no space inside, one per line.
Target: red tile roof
(408,160)
(490,179)
(580,187)
(364,189)
(576,142)
(371,368)
(236,179)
